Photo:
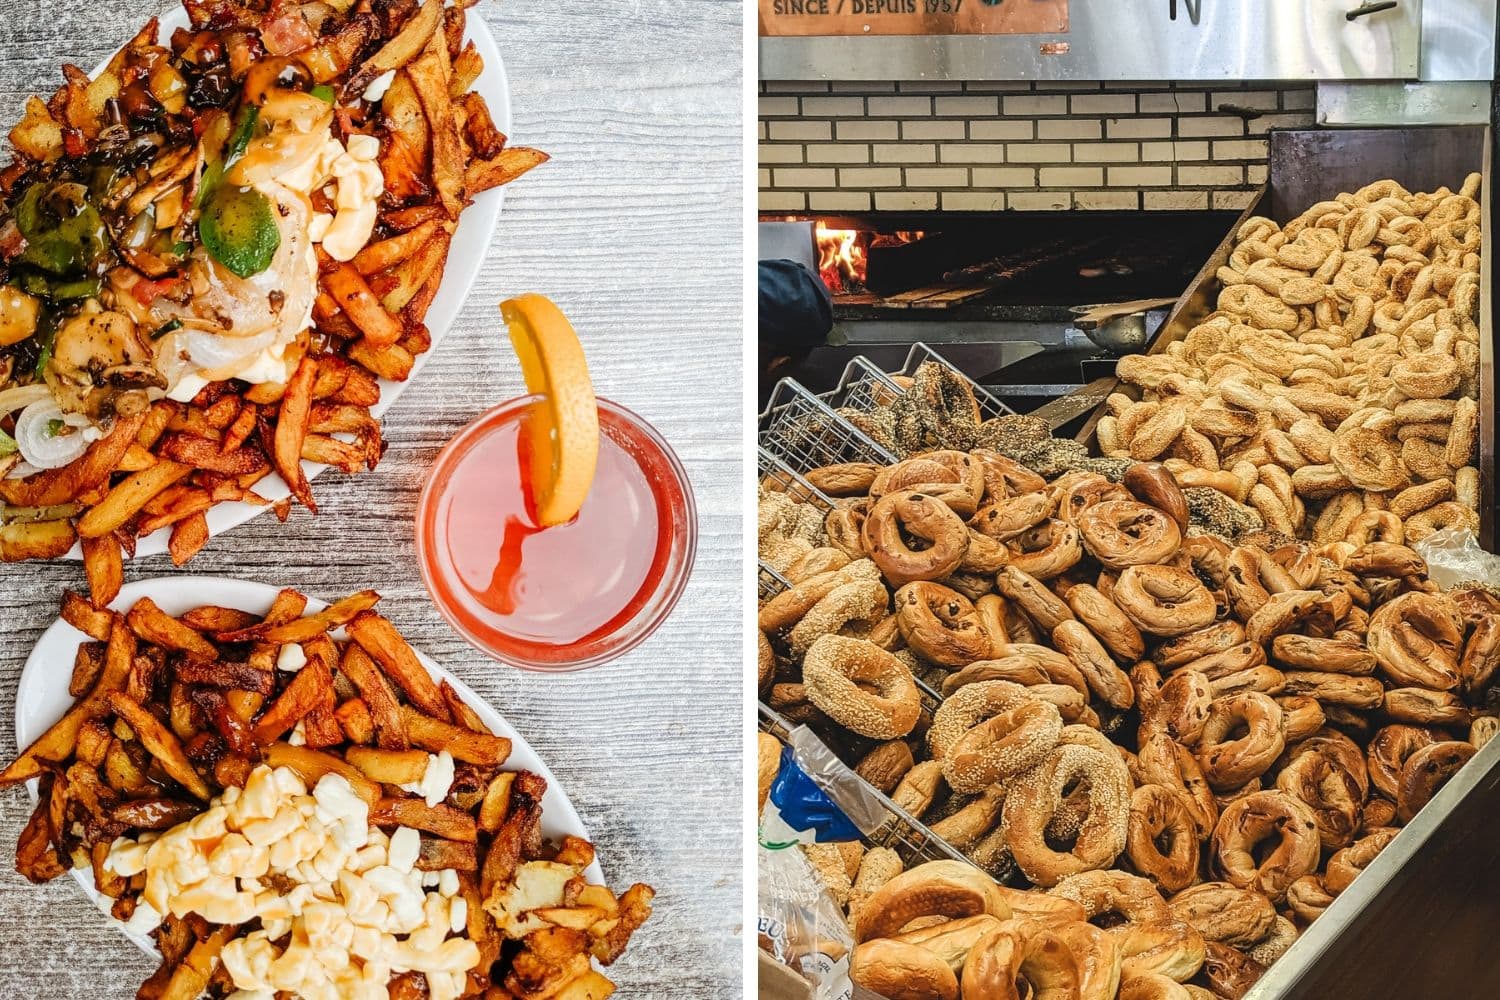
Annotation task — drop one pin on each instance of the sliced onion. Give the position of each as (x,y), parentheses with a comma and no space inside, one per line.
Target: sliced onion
(22,395)
(209,350)
(21,470)
(41,448)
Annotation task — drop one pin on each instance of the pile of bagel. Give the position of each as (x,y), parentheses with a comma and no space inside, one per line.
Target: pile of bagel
(1338,374)
(1193,744)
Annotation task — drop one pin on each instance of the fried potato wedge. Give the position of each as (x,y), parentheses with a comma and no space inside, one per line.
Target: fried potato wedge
(336,615)
(379,638)
(440,820)
(161,742)
(104,568)
(126,499)
(154,625)
(36,540)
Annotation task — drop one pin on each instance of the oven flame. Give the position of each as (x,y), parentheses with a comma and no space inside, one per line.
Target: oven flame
(841,259)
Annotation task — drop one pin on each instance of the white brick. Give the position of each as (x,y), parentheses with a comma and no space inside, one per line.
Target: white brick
(768,106)
(1036,105)
(863,87)
(771,152)
(905,152)
(1189,127)
(1039,201)
(1140,176)
(997,86)
(870,177)
(838,201)
(800,131)
(1068,128)
(1174,151)
(838,152)
(803,177)
(1004,130)
(1070,85)
(973,201)
(869,131)
(971,106)
(1256,173)
(1299,100)
(1175,201)
(937,176)
(1240,149)
(906,201)
(1106,152)
(1106,201)
(1004,177)
(1139,128)
(782,201)
(833,107)
(1233,199)
(900,106)
(795,87)
(932,130)
(1225,176)
(1103,104)
(1173,103)
(760,131)
(1038,152)
(1261,100)
(763,178)
(931,86)
(973,152)
(1072,176)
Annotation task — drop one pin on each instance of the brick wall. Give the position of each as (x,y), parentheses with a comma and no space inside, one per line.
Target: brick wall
(857,147)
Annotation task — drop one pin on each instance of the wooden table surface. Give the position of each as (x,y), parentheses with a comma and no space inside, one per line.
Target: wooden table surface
(634,229)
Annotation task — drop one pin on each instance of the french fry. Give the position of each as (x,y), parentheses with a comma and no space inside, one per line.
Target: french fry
(388,253)
(92,621)
(336,615)
(510,163)
(429,74)
(467,66)
(209,453)
(496,804)
(354,718)
(589,986)
(36,859)
(291,428)
(160,742)
(311,765)
(392,362)
(135,459)
(126,499)
(379,698)
(305,692)
(320,728)
(155,424)
(360,304)
(154,813)
(460,710)
(210,618)
(437,854)
(381,640)
(36,540)
(190,979)
(226,674)
(188,536)
(402,282)
(434,735)
(103,568)
(389,767)
(88,664)
(485,140)
(341,455)
(154,625)
(440,820)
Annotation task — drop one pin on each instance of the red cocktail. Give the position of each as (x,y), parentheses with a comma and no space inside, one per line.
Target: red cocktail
(563,597)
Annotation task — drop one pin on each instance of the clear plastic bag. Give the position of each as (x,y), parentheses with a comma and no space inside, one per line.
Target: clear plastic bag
(1454,557)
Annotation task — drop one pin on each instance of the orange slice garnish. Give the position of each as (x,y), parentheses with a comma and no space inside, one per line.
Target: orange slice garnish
(563,432)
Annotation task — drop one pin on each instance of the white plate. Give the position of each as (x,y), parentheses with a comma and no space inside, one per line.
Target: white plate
(42,698)
(471,240)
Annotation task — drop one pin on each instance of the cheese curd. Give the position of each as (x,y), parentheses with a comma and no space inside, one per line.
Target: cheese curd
(437,779)
(351,904)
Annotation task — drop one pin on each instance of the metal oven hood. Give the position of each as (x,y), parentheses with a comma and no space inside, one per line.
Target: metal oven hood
(1207,40)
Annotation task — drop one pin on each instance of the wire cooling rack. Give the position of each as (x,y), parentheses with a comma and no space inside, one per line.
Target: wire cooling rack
(773,471)
(770,582)
(863,387)
(804,433)
(901,832)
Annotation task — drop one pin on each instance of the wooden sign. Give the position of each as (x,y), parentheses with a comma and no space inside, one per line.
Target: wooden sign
(913,17)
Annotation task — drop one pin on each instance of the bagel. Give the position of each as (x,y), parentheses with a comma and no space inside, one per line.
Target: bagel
(1035,797)
(1388,751)
(885,766)
(1231,762)
(1449,514)
(1417,639)
(1225,913)
(1301,716)
(1426,376)
(1426,771)
(1334,689)
(1161,841)
(1032,596)
(1308,897)
(1229,971)
(897,515)
(1368,459)
(1107,622)
(1005,477)
(1036,956)
(951,889)
(851,606)
(1161,760)
(1122,533)
(1046,550)
(846,479)
(900,971)
(1332,794)
(1171,947)
(1183,705)
(1104,678)
(1113,896)
(1153,485)
(989,732)
(1481,656)
(1339,656)
(971,820)
(940,625)
(1005,519)
(951,940)
(1184,649)
(1241,860)
(1344,867)
(834,670)
(918,787)
(790,606)
(1163,600)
